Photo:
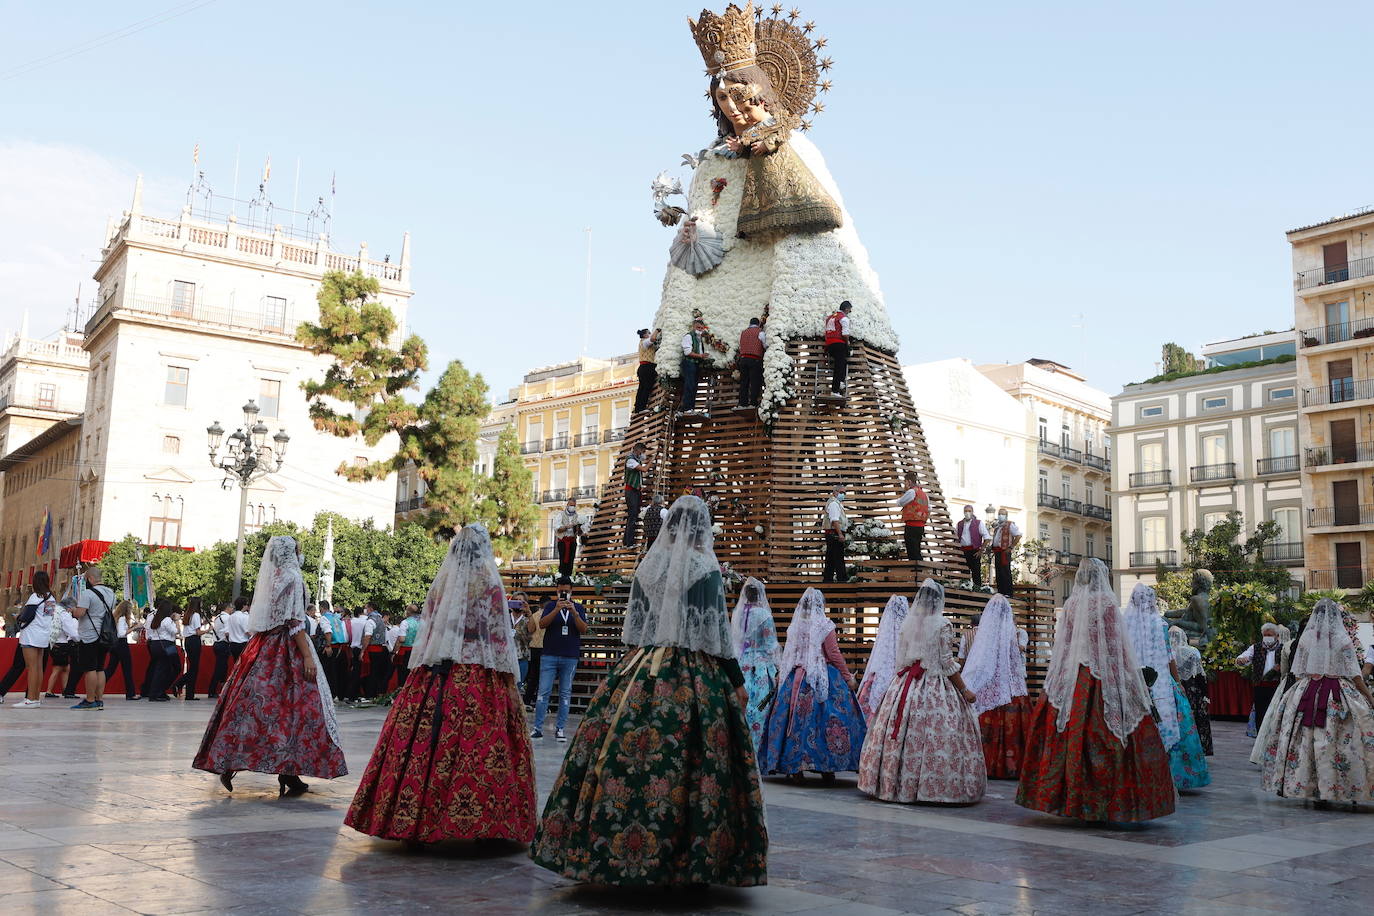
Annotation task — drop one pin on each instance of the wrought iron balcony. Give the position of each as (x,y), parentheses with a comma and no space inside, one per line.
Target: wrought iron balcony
(1151,479)
(1201,473)
(553,496)
(1100,512)
(1050,448)
(1345,454)
(1337,577)
(410,505)
(1338,333)
(1337,273)
(1067,558)
(1338,391)
(557,443)
(615,435)
(1283,552)
(1047,500)
(1071,505)
(588,492)
(1340,516)
(591,437)
(531,448)
(1142,558)
(1284,464)
(1097,461)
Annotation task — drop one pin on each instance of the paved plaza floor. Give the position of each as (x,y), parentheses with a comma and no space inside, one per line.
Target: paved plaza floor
(101,813)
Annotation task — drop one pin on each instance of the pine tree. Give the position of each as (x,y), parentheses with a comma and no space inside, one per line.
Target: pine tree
(369,374)
(509,510)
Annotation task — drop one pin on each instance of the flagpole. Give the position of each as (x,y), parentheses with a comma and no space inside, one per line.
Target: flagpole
(233,201)
(295,192)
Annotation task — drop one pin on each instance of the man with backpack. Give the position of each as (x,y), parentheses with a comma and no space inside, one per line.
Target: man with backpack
(96,634)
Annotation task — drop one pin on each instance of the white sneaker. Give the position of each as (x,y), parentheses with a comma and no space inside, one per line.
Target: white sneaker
(28,704)
(560,736)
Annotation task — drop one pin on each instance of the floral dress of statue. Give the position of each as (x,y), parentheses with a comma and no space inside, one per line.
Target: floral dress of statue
(1093,751)
(756,640)
(1322,744)
(453,761)
(924,745)
(274,714)
(815,723)
(995,671)
(659,786)
(882,659)
(1149,636)
(763,232)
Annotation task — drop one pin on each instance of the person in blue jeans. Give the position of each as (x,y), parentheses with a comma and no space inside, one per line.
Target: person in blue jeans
(563,621)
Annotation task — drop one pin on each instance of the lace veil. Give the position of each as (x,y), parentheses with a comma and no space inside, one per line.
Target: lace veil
(663,611)
(922,624)
(995,670)
(464,619)
(1186,657)
(1325,649)
(882,660)
(805,639)
(1090,633)
(280,594)
(1145,629)
(751,626)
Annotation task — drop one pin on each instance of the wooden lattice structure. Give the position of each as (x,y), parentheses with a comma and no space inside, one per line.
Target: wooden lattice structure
(780,482)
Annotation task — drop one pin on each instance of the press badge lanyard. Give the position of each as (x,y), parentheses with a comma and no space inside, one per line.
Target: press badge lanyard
(564,615)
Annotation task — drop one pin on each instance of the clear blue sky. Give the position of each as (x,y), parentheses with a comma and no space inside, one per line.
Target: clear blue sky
(1009,166)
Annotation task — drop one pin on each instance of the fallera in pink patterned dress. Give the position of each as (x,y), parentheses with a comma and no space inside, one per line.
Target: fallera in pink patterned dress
(273,716)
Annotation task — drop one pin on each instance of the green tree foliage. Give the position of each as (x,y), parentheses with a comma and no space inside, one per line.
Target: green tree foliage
(1177,359)
(508,508)
(1234,561)
(368,373)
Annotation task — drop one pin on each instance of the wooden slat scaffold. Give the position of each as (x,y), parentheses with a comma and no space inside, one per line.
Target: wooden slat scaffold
(772,486)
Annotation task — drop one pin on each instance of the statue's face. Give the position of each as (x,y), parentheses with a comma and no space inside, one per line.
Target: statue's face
(738,120)
(742,104)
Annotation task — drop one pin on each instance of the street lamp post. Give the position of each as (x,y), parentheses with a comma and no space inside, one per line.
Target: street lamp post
(247,458)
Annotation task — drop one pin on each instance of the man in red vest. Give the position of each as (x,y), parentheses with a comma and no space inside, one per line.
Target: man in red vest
(971,533)
(915,513)
(837,347)
(752,340)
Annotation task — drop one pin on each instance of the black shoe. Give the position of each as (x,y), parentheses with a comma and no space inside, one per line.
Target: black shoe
(53,695)
(69,696)
(291,786)
(227,780)
(192,698)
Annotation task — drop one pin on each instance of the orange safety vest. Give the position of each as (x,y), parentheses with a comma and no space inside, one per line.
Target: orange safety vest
(917,512)
(833,325)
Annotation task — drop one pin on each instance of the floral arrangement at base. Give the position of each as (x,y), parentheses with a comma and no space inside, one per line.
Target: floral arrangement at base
(967,585)
(871,538)
(732,579)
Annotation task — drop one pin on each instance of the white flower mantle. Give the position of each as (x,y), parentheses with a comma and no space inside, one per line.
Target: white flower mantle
(802,278)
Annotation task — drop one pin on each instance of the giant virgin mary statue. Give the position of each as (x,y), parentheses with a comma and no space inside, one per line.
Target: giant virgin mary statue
(765,229)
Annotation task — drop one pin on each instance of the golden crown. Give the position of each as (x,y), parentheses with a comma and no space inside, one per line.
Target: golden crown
(726,41)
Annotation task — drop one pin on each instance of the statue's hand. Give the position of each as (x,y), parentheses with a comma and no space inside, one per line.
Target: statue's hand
(759,148)
(734,144)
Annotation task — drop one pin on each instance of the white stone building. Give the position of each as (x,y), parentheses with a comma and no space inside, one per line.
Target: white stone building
(194,317)
(1188,451)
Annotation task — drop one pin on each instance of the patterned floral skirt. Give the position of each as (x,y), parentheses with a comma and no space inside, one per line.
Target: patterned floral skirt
(1187,761)
(821,734)
(1333,760)
(270,717)
(1004,737)
(453,761)
(1084,772)
(1196,692)
(923,744)
(659,786)
(760,682)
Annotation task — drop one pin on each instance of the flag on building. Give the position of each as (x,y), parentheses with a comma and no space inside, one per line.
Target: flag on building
(138,584)
(45,533)
(267,170)
(195,155)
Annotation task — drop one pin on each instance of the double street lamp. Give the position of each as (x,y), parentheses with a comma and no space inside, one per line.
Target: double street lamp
(248,457)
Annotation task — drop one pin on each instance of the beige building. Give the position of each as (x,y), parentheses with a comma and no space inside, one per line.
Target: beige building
(1190,450)
(1071,514)
(1333,285)
(39,478)
(41,382)
(571,420)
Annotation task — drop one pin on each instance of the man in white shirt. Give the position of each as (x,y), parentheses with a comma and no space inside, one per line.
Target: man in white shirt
(694,358)
(970,532)
(835,524)
(1263,662)
(94,605)
(1005,536)
(236,627)
(635,466)
(360,628)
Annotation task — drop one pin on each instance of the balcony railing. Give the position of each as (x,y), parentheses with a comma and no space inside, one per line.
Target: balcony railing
(532,448)
(1337,333)
(1338,391)
(1047,500)
(553,496)
(1050,448)
(1071,505)
(1141,558)
(1340,516)
(1067,558)
(410,505)
(1151,479)
(1283,552)
(1100,512)
(1201,473)
(256,318)
(591,437)
(557,443)
(1097,461)
(1344,454)
(1337,577)
(1339,273)
(584,492)
(1284,464)
(615,435)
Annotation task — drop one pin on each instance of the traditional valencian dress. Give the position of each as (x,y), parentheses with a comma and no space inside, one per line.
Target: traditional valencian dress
(1193,678)
(271,717)
(995,671)
(1092,750)
(923,744)
(453,761)
(882,659)
(1148,632)
(1322,745)
(815,723)
(756,641)
(659,786)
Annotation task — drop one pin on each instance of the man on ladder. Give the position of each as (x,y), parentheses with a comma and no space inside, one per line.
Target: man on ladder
(915,505)
(837,348)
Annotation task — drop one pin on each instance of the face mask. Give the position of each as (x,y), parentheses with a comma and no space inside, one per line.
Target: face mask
(1002,518)
(968,515)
